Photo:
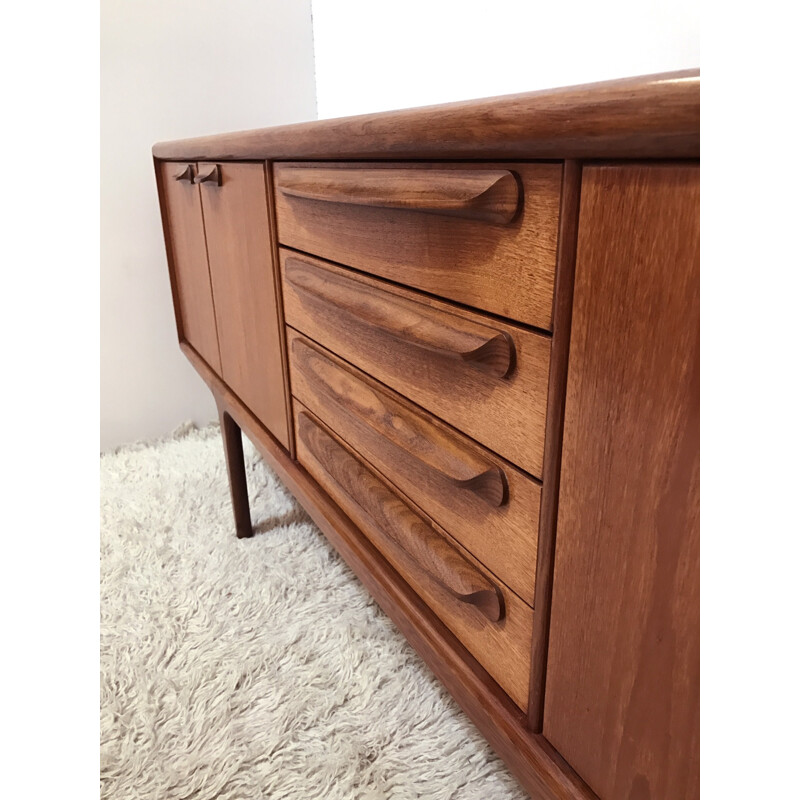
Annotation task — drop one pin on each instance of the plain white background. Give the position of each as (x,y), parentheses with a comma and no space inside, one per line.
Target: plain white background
(49,335)
(376,56)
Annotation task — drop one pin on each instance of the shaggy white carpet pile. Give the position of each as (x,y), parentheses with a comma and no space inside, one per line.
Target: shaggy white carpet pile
(261,668)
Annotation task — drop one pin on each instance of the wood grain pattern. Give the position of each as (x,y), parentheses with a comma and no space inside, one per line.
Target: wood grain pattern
(505,414)
(428,550)
(622,697)
(502,647)
(464,341)
(539,768)
(488,195)
(651,116)
(556,392)
(240,256)
(507,269)
(484,503)
(186,249)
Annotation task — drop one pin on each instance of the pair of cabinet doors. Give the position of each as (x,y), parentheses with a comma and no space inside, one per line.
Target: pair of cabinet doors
(219,237)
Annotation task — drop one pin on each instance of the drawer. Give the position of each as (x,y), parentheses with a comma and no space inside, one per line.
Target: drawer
(488,618)
(482,234)
(487,505)
(486,378)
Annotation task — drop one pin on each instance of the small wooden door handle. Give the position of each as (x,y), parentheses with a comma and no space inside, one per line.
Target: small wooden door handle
(186,174)
(488,195)
(398,429)
(210,175)
(411,323)
(394,519)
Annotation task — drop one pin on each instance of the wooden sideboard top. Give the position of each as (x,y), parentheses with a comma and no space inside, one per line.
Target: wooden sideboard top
(651,116)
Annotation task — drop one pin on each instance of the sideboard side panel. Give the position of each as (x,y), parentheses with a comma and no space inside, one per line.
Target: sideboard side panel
(622,696)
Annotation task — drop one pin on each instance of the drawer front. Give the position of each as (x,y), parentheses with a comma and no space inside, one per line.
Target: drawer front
(481,234)
(492,623)
(486,378)
(488,506)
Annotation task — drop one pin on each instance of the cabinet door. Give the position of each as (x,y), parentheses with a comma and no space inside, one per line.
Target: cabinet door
(191,282)
(623,671)
(238,237)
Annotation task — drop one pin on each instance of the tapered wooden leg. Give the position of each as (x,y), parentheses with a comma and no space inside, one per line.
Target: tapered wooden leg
(234,455)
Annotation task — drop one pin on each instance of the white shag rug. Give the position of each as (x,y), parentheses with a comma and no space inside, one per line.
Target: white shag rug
(238,669)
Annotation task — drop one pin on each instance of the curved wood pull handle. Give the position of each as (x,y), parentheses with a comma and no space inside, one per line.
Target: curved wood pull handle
(489,195)
(491,486)
(186,174)
(210,175)
(405,438)
(393,518)
(411,323)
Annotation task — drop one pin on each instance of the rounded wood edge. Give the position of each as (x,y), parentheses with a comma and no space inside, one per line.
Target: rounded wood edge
(648,116)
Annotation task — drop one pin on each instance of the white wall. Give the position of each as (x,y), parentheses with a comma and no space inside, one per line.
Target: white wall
(375,56)
(172,69)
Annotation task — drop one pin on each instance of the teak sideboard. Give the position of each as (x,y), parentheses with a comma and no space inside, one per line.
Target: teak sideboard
(466,337)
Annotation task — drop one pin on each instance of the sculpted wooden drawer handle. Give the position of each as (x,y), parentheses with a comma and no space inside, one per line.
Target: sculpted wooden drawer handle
(210,175)
(491,486)
(403,434)
(447,336)
(489,195)
(431,552)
